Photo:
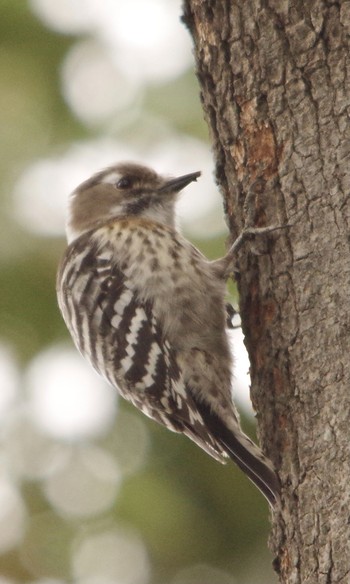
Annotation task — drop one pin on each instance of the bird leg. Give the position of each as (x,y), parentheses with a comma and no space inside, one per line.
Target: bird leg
(224,267)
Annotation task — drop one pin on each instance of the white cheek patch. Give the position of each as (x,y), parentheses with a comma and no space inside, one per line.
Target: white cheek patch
(118,209)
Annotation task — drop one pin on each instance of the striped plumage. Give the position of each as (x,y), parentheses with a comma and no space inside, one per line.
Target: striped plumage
(147,309)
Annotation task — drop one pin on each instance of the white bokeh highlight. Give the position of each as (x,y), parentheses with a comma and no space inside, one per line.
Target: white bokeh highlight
(29,453)
(67,399)
(241,377)
(145,39)
(116,555)
(88,70)
(68,16)
(12,515)
(86,485)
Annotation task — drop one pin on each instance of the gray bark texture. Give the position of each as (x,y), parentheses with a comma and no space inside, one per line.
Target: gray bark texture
(275,86)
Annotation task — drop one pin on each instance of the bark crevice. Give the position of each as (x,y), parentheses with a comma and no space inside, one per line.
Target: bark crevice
(274,82)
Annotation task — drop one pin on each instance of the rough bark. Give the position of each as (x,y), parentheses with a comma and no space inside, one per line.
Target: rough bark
(275,87)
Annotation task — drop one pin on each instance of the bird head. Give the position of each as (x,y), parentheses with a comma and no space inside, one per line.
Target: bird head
(124,190)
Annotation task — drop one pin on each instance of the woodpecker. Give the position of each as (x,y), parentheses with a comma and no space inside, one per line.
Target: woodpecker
(148,311)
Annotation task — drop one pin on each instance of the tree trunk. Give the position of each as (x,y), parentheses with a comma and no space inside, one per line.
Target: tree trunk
(275,87)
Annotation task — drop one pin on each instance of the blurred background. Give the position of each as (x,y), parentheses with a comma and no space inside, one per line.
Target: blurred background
(91,491)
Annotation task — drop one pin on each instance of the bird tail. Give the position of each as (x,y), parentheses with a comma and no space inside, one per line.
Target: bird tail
(244,453)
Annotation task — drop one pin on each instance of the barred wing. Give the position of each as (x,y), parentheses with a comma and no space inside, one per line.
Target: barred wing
(121,338)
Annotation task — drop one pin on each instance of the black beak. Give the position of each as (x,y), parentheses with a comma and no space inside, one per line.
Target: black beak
(175,185)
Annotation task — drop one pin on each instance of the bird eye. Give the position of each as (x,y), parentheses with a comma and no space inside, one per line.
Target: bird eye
(124,183)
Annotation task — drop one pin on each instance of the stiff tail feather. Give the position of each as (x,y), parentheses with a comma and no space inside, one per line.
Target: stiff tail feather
(244,453)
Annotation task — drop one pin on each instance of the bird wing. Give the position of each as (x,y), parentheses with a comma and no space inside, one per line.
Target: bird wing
(145,368)
(119,334)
